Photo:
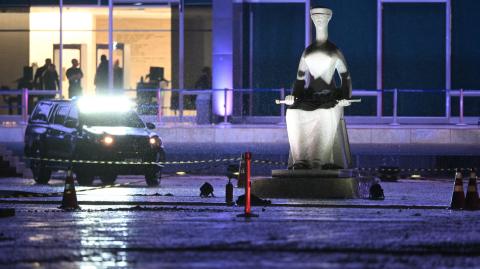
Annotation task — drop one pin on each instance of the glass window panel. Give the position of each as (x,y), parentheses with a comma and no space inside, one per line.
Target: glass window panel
(143,52)
(84,31)
(15,69)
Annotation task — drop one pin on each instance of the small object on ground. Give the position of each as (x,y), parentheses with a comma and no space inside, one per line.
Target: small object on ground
(206,190)
(7,212)
(229,193)
(376,192)
(168,194)
(254,200)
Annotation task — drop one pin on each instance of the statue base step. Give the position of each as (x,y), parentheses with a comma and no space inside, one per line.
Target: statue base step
(305,184)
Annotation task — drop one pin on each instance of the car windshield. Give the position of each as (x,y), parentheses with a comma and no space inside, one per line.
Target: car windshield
(111,119)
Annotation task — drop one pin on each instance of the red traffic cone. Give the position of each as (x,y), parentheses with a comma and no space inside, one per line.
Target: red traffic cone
(471,200)
(69,201)
(458,197)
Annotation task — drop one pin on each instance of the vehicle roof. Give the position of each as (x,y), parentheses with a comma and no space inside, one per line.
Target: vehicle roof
(57,100)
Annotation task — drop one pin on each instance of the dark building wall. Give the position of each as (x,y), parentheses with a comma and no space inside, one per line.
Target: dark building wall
(277,46)
(466,52)
(198,44)
(414,57)
(353,30)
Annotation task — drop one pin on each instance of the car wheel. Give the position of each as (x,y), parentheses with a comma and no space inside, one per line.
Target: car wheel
(153,178)
(85,178)
(108,179)
(41,174)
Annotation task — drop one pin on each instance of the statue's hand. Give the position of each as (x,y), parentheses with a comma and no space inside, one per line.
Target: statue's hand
(289,100)
(344,102)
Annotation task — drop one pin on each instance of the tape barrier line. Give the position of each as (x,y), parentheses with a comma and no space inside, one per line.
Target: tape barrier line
(414,169)
(269,162)
(224,160)
(54,194)
(133,163)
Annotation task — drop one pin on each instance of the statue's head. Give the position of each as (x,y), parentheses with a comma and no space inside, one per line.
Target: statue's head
(320,15)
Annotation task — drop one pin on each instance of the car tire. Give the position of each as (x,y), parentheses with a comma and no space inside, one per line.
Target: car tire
(153,178)
(85,178)
(41,174)
(108,179)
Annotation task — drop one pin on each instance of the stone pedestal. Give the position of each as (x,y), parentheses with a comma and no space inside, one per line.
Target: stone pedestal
(308,184)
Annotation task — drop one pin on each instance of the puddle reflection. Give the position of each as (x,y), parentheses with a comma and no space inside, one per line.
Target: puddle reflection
(102,238)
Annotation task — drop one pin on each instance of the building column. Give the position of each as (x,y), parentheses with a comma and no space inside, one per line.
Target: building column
(222,56)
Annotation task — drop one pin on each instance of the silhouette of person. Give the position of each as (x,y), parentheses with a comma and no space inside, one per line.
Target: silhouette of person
(117,76)
(101,77)
(202,102)
(50,78)
(38,78)
(74,75)
(205,79)
(50,81)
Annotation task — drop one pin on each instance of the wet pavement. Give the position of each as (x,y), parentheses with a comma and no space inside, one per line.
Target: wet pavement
(133,226)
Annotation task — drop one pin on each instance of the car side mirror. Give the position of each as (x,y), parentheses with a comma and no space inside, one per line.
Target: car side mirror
(150,125)
(71,124)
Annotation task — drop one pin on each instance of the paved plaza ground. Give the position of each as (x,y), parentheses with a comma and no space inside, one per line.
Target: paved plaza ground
(132,226)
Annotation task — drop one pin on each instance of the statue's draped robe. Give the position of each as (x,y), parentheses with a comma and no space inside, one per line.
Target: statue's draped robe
(316,134)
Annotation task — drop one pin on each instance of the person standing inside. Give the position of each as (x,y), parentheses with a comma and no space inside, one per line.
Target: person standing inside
(50,78)
(38,82)
(117,76)
(50,81)
(205,79)
(74,75)
(101,77)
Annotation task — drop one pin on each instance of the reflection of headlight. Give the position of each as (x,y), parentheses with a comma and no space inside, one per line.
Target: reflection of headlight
(108,140)
(155,141)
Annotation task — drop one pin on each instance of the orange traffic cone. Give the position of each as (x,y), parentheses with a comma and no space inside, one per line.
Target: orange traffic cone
(69,201)
(458,197)
(471,200)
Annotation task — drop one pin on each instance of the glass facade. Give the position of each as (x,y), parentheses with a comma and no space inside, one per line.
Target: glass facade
(148,49)
(146,55)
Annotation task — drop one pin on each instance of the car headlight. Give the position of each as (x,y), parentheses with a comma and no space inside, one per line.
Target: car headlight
(107,140)
(155,141)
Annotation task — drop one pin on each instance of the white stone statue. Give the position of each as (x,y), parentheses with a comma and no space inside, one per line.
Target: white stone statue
(315,131)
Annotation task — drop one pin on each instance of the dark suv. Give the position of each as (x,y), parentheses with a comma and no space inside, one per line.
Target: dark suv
(83,134)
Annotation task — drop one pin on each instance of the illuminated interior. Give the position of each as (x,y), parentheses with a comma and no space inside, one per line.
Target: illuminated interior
(142,39)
